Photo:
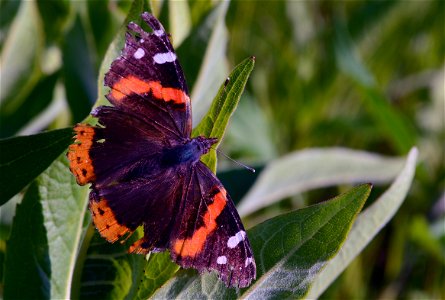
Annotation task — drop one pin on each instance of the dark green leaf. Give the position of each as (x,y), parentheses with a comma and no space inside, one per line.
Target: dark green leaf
(224,104)
(289,251)
(102,26)
(54,15)
(27,263)
(109,271)
(78,72)
(25,157)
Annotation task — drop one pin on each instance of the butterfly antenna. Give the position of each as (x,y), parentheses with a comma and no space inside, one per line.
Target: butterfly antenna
(235,161)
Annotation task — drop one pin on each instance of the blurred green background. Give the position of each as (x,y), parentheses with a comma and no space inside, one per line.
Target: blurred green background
(366,75)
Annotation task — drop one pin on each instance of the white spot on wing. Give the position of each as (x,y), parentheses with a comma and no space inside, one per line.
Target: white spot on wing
(159,32)
(236,239)
(221,260)
(162,58)
(248,261)
(139,53)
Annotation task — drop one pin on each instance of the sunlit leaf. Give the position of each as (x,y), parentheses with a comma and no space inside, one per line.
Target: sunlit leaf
(224,104)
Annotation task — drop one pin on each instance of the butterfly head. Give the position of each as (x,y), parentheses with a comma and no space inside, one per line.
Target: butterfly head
(204,144)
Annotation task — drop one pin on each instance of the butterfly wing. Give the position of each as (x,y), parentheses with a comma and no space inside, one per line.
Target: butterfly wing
(147,79)
(149,201)
(121,155)
(209,234)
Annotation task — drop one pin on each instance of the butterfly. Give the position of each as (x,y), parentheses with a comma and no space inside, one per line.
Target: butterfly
(145,169)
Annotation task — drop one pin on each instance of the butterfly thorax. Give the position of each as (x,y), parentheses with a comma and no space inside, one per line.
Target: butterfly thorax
(188,152)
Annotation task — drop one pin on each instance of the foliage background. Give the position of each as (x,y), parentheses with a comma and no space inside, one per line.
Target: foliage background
(358,74)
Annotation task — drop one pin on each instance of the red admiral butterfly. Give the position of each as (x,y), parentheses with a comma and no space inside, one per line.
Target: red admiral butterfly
(145,168)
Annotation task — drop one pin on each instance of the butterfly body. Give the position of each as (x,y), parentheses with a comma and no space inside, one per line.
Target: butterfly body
(145,170)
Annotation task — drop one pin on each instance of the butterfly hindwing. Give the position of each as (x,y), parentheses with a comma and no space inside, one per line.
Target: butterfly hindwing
(209,233)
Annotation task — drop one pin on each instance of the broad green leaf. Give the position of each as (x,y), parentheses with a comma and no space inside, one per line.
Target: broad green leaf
(368,224)
(20,68)
(224,104)
(45,236)
(289,251)
(23,158)
(313,168)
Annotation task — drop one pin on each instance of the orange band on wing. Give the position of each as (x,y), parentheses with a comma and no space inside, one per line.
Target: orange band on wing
(133,85)
(79,154)
(138,247)
(193,245)
(105,221)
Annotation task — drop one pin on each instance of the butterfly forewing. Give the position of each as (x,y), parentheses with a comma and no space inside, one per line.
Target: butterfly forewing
(147,79)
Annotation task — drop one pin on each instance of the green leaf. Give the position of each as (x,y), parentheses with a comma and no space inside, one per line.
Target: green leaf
(108,270)
(314,168)
(55,18)
(20,57)
(27,263)
(203,55)
(157,271)
(78,72)
(45,236)
(368,224)
(23,158)
(224,104)
(289,251)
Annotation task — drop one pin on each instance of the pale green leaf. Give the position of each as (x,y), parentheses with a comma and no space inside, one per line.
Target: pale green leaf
(314,168)
(19,61)
(368,224)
